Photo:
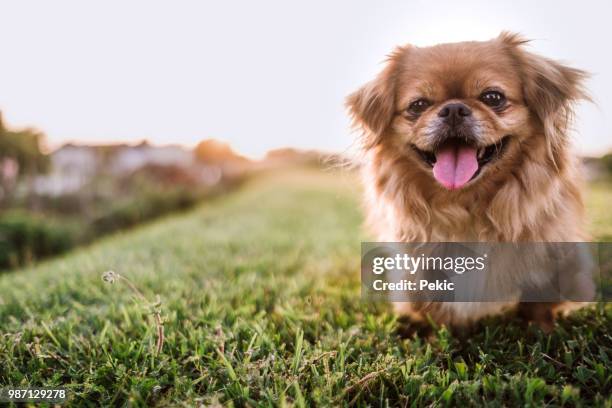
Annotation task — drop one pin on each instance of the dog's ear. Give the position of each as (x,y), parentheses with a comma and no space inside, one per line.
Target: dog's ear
(551,91)
(372,106)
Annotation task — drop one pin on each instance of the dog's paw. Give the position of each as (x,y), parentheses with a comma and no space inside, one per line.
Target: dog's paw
(409,328)
(539,313)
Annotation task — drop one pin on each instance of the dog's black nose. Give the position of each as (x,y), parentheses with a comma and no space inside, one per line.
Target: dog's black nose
(454,113)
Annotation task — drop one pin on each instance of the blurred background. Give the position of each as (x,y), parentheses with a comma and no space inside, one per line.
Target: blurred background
(115,113)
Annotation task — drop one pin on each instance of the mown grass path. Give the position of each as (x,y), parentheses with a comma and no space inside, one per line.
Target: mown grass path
(260,296)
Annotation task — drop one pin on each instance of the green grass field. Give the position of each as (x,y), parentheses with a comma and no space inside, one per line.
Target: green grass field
(260,297)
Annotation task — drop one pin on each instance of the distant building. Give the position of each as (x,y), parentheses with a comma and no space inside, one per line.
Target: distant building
(288,155)
(73,166)
(130,158)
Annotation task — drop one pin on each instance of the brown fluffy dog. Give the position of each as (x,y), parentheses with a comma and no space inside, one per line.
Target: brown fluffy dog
(468,142)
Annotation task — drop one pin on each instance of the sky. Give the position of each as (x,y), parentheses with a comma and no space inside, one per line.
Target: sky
(257,74)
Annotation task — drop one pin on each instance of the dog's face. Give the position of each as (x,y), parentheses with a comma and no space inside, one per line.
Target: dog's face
(462,112)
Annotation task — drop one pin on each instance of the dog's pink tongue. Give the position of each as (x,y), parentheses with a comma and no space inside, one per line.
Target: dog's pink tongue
(455,165)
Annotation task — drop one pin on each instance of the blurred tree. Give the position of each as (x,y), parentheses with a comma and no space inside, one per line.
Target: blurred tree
(607,162)
(215,152)
(20,156)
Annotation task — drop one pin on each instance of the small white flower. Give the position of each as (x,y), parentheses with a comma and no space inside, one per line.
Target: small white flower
(109,276)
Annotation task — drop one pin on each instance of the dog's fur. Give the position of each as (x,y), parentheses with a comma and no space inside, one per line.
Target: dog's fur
(530,193)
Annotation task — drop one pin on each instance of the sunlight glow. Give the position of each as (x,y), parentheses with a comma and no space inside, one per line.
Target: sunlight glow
(273,74)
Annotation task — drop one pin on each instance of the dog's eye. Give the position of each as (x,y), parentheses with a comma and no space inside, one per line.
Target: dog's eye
(419,106)
(494,99)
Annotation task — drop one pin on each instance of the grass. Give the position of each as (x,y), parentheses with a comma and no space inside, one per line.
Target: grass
(599,199)
(260,297)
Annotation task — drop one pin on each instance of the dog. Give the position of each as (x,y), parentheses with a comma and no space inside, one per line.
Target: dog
(466,142)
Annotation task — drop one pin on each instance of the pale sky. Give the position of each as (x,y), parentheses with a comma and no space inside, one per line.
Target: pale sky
(257,74)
